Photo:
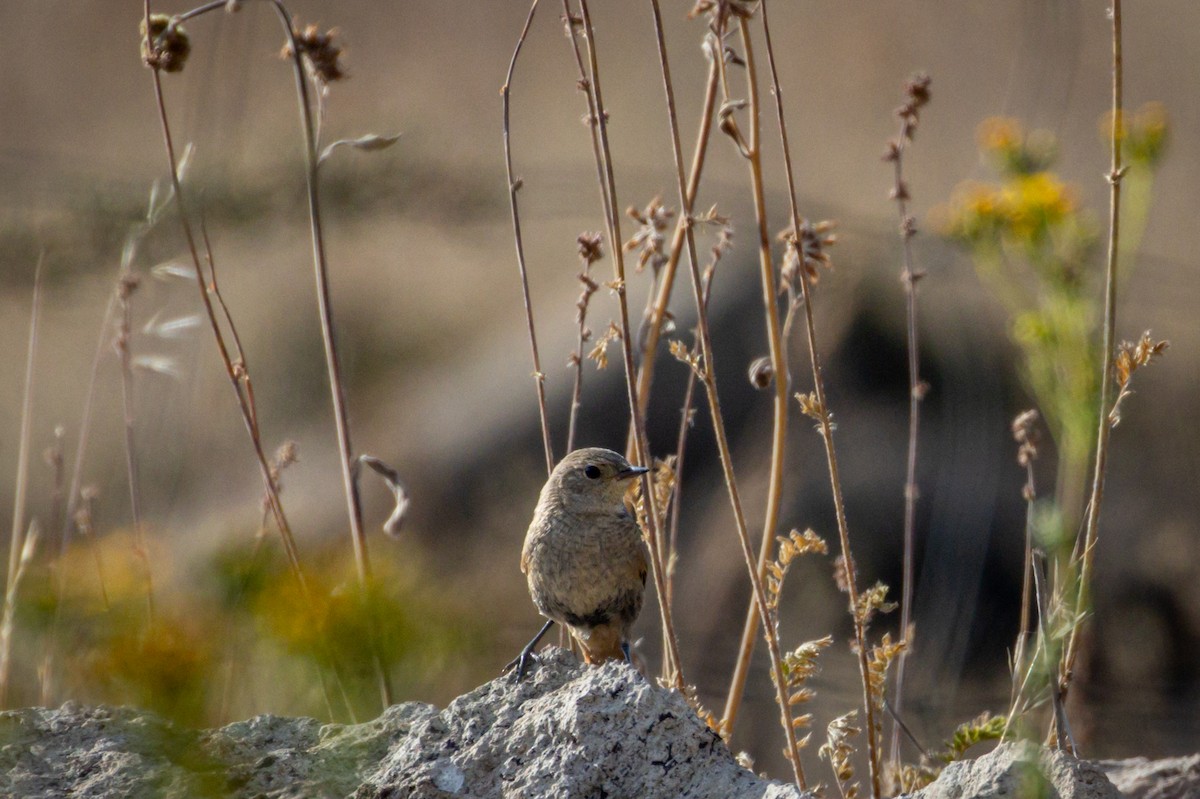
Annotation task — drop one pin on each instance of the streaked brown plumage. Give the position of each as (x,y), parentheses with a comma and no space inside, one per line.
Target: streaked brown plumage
(584,556)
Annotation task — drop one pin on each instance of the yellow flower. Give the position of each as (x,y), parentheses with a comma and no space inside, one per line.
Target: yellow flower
(1000,135)
(972,213)
(1033,203)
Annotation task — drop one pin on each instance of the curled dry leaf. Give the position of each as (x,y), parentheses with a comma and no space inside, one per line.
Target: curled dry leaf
(390,476)
(370,143)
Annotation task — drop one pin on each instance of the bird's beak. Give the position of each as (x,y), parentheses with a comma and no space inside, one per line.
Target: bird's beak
(632,471)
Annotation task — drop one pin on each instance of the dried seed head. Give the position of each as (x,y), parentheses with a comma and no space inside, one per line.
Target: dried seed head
(319,51)
(761,372)
(1026,434)
(590,249)
(917,89)
(167,46)
(811,244)
(650,237)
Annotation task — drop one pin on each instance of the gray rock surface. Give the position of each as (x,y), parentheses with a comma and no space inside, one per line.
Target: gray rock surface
(568,730)
(1015,771)
(1174,778)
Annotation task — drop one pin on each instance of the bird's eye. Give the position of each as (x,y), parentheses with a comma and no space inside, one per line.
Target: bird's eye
(591,472)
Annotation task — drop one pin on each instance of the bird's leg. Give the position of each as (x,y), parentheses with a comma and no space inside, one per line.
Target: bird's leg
(522,660)
(625,651)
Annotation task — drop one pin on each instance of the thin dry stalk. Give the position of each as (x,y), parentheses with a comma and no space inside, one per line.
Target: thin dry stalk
(239,351)
(333,366)
(1062,730)
(707,376)
(687,416)
(20,490)
(1104,426)
(81,444)
(596,103)
(779,367)
(917,95)
(8,621)
(235,371)
(825,421)
(666,282)
(514,185)
(589,253)
(126,285)
(55,457)
(1026,434)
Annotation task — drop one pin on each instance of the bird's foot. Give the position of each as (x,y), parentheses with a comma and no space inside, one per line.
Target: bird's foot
(521,662)
(519,665)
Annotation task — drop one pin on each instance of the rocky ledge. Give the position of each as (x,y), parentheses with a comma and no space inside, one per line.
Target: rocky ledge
(566,731)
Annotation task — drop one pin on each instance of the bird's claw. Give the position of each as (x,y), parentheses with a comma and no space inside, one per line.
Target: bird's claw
(520,665)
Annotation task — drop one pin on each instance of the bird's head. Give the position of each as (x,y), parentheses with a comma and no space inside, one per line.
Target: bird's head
(593,479)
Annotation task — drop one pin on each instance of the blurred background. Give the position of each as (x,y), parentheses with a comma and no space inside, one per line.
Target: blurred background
(428,305)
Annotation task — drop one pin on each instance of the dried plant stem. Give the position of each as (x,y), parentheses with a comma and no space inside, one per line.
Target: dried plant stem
(587,254)
(239,351)
(20,490)
(514,185)
(1104,426)
(73,499)
(709,379)
(126,285)
(666,282)
(1062,730)
(337,386)
(1019,660)
(674,667)
(826,425)
(753,154)
(916,393)
(685,425)
(8,620)
(235,371)
(577,386)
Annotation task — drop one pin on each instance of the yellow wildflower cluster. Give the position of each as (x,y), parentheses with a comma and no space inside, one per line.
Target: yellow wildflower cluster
(1028,205)
(1143,134)
(1022,209)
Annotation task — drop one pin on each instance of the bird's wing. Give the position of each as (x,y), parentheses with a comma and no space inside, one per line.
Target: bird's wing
(530,535)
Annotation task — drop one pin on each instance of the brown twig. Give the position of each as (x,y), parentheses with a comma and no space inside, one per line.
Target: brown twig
(1108,352)
(514,185)
(653,520)
(1026,434)
(235,372)
(589,253)
(826,425)
(686,416)
(916,96)
(752,151)
(708,378)
(333,367)
(127,284)
(666,280)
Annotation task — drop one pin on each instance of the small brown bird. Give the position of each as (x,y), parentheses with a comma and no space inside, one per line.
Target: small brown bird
(584,557)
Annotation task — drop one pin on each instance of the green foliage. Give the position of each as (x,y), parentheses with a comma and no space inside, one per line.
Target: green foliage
(236,635)
(1033,245)
(1030,242)
(983,728)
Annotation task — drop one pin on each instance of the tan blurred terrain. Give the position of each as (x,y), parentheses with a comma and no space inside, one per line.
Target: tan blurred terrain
(428,303)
